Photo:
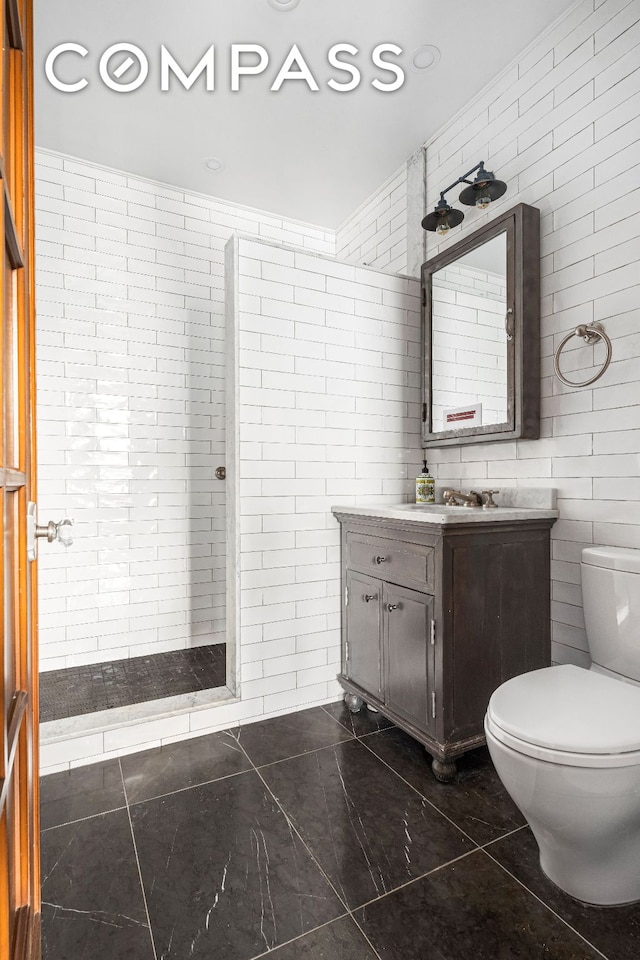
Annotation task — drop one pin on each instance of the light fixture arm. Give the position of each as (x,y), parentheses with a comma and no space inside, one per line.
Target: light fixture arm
(463,179)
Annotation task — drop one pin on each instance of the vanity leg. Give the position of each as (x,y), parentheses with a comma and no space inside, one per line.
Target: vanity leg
(443,770)
(355,704)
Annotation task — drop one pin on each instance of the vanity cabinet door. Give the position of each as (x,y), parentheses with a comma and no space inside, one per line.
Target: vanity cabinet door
(363,652)
(407,629)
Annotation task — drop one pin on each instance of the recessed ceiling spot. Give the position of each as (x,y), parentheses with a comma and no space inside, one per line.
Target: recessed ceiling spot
(283,4)
(426,57)
(214,164)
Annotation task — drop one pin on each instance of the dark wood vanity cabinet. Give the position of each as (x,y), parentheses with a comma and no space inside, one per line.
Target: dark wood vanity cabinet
(436,616)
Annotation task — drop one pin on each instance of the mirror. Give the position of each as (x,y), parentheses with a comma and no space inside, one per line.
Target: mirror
(469,340)
(481,358)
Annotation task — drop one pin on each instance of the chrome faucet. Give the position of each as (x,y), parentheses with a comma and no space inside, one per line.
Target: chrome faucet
(471,499)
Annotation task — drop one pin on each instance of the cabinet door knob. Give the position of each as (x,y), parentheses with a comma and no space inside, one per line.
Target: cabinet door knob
(391,607)
(380,559)
(369,596)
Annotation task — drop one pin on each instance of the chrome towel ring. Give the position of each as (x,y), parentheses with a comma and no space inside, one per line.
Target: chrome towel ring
(590,333)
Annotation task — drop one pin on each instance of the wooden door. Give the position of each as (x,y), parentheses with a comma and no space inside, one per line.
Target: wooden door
(19,849)
(363,632)
(409,690)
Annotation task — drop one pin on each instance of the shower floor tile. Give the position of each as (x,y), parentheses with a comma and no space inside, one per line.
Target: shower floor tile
(103,686)
(337,844)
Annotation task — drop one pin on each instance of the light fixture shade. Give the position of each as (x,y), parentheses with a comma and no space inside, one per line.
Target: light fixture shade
(484,183)
(443,212)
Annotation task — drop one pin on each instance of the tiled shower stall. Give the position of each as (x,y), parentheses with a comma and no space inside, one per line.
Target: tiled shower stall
(131,414)
(323,390)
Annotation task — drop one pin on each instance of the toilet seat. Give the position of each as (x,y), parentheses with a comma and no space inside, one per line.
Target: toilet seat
(568,715)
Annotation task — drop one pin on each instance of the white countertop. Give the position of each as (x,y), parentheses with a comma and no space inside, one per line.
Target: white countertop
(441,514)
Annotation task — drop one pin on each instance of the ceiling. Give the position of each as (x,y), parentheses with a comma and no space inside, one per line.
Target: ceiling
(310,156)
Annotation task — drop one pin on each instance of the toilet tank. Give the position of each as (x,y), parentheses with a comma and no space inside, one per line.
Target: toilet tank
(611,600)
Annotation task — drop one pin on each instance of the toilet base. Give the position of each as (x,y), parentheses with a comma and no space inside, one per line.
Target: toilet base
(589,877)
(586,822)
(599,906)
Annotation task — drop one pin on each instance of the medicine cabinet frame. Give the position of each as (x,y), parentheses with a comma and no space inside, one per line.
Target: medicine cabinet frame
(522,322)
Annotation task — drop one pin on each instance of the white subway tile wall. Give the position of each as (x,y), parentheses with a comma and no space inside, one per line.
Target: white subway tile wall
(561,127)
(376,233)
(328,412)
(131,411)
(563,132)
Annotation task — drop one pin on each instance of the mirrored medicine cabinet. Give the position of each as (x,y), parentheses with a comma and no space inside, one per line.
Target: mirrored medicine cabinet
(481,299)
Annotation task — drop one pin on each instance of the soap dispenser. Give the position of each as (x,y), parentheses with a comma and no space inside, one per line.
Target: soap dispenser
(425,486)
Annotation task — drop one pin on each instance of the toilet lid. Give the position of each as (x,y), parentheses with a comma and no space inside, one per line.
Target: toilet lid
(570,709)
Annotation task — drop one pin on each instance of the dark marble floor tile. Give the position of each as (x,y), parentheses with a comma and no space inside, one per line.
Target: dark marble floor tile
(93,907)
(470,909)
(185,764)
(359,724)
(340,940)
(282,737)
(84,792)
(226,877)
(476,800)
(368,829)
(615,931)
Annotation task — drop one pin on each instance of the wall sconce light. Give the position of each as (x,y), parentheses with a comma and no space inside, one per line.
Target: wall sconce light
(479,193)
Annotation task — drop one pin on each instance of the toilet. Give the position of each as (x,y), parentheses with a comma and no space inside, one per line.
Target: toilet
(565,742)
